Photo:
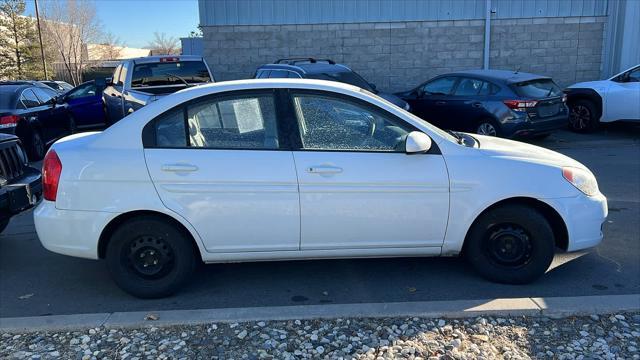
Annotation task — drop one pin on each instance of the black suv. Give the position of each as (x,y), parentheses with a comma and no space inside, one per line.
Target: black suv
(322,69)
(491,102)
(20,184)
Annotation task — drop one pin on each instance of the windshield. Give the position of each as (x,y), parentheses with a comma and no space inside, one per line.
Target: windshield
(431,127)
(169,73)
(537,89)
(347,77)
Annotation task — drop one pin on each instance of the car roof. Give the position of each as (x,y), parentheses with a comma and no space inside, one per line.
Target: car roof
(156,58)
(306,66)
(505,76)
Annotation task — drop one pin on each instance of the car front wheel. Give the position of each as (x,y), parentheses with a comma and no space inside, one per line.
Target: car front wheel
(511,244)
(149,257)
(582,116)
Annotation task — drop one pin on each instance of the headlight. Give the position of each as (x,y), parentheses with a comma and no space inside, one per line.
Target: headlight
(581,179)
(407,107)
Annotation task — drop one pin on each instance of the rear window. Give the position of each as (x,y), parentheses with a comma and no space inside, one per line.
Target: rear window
(169,73)
(7,97)
(537,89)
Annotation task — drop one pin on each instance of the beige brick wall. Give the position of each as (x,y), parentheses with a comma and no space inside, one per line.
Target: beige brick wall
(399,55)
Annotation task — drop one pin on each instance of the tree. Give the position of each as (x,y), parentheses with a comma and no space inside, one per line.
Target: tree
(71,25)
(110,47)
(19,46)
(163,44)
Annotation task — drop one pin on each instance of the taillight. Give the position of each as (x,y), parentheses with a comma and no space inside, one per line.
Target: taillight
(520,105)
(169,59)
(9,121)
(564,98)
(51,170)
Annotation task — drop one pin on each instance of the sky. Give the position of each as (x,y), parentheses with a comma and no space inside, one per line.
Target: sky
(133,22)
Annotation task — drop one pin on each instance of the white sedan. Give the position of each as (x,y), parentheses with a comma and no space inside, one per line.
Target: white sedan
(286,169)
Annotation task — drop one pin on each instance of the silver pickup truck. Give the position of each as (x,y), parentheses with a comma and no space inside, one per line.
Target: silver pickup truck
(138,82)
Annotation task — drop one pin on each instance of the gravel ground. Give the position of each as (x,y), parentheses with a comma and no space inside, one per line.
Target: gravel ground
(590,337)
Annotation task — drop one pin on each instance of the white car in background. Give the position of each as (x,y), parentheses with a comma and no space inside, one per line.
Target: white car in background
(285,169)
(594,102)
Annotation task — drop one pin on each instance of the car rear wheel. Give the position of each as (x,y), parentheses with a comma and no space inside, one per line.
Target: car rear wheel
(36,148)
(149,257)
(487,127)
(512,244)
(582,116)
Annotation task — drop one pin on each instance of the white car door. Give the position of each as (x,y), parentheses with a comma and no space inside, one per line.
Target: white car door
(358,188)
(217,161)
(622,100)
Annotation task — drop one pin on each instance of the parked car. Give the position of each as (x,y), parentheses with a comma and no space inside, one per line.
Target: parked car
(84,105)
(29,110)
(491,102)
(138,82)
(322,69)
(20,184)
(59,86)
(297,169)
(604,101)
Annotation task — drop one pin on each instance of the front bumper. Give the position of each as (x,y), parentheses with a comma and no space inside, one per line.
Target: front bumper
(584,217)
(21,194)
(70,232)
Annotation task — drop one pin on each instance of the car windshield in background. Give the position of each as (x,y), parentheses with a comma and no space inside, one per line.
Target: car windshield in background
(346,77)
(537,89)
(169,73)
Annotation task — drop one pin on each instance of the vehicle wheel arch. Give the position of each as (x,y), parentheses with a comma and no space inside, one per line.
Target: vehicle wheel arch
(588,95)
(557,223)
(110,228)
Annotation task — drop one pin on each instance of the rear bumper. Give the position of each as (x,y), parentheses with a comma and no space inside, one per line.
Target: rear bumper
(538,127)
(584,217)
(70,232)
(21,194)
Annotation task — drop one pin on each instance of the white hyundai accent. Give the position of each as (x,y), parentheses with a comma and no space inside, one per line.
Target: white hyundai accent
(287,169)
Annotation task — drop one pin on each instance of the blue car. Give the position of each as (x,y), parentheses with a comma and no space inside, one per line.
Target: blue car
(84,105)
(501,103)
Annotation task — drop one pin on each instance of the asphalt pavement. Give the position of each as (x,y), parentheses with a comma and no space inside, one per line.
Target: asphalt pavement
(35,282)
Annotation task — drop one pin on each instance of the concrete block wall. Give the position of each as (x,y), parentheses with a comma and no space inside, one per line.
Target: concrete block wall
(400,55)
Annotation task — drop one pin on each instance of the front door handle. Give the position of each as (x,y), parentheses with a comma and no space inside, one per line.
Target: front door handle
(440,102)
(324,169)
(476,104)
(179,167)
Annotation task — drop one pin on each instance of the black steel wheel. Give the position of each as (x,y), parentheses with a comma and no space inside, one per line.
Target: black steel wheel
(150,257)
(512,244)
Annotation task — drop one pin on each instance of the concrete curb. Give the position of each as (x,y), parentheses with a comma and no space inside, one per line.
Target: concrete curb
(552,307)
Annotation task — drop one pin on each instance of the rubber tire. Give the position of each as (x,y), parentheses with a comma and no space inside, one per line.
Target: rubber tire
(492,122)
(33,153)
(542,241)
(4,223)
(179,242)
(593,120)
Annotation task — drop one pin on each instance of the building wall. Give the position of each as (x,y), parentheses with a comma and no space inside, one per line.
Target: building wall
(401,54)
(271,12)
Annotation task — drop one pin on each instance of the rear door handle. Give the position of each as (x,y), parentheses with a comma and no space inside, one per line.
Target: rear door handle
(324,169)
(179,167)
(440,102)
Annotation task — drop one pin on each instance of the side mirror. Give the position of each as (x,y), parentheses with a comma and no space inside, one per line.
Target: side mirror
(59,99)
(417,143)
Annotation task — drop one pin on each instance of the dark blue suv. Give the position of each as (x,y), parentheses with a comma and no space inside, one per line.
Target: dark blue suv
(491,102)
(322,69)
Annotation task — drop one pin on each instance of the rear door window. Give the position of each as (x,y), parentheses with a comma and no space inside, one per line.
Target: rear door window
(537,89)
(469,87)
(29,99)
